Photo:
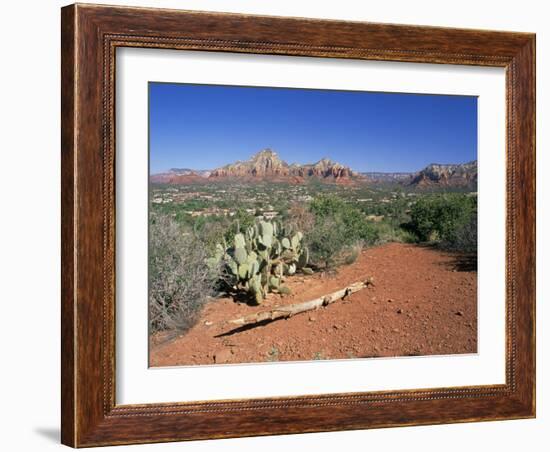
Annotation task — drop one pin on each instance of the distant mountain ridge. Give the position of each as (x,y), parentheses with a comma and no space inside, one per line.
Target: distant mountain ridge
(266,164)
(456,175)
(180,176)
(387,177)
(448,175)
(187,171)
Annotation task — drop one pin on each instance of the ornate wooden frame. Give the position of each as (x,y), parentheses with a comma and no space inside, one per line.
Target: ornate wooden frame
(90,35)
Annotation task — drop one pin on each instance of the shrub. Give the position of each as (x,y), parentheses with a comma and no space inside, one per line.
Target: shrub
(301,218)
(404,236)
(389,232)
(351,221)
(463,238)
(351,254)
(179,280)
(327,205)
(212,230)
(339,230)
(326,241)
(357,228)
(439,217)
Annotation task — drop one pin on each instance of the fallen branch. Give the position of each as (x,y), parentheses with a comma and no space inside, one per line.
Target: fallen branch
(293,309)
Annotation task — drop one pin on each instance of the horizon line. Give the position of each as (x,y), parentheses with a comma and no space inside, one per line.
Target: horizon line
(174,168)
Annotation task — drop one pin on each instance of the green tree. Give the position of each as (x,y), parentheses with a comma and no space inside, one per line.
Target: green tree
(438,217)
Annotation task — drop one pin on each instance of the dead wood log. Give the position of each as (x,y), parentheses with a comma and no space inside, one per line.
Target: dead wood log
(293,309)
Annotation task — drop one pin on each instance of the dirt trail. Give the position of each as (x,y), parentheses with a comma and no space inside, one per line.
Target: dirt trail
(424,302)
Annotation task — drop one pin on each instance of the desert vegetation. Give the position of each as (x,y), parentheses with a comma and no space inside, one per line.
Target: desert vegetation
(449,220)
(344,245)
(340,227)
(180,281)
(258,259)
(195,257)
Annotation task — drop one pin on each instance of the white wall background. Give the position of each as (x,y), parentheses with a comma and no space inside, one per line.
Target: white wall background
(29,224)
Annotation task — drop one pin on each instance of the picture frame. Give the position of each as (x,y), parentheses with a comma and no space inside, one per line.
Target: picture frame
(90,35)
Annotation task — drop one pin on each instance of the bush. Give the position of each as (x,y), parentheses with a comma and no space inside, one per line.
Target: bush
(438,218)
(301,218)
(326,241)
(354,224)
(179,280)
(339,230)
(463,238)
(357,228)
(389,232)
(211,230)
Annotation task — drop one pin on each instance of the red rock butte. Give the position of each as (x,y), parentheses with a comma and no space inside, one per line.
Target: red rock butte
(266,164)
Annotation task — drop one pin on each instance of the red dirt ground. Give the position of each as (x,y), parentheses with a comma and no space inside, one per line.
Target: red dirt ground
(424,302)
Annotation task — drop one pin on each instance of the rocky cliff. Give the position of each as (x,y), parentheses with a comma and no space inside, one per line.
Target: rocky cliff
(266,164)
(448,175)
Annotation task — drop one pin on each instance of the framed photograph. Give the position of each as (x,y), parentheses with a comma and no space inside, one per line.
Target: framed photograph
(281,225)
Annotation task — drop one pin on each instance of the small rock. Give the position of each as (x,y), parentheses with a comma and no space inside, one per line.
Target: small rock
(460,313)
(400,311)
(390,300)
(312,319)
(208,323)
(223,356)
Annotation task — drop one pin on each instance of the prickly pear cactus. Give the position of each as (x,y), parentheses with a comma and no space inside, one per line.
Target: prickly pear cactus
(261,257)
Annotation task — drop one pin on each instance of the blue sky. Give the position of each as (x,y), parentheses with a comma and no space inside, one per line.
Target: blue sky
(207,126)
